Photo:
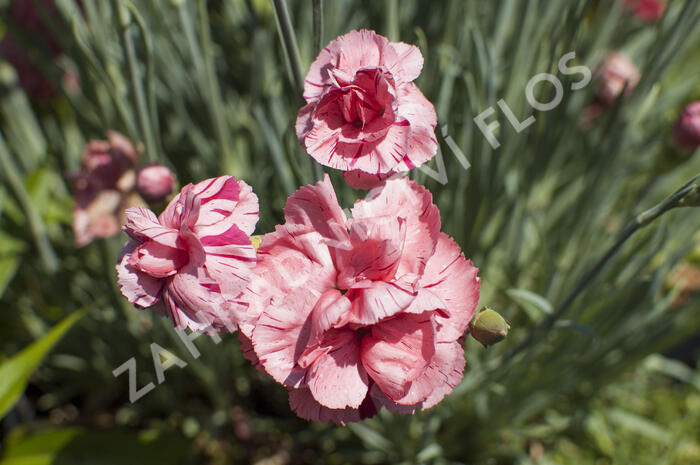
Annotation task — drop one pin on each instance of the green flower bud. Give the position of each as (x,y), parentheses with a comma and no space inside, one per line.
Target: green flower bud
(488,327)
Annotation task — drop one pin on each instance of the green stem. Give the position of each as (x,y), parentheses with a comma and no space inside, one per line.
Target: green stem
(318,25)
(641,220)
(138,92)
(213,91)
(392,20)
(150,76)
(188,29)
(289,40)
(94,63)
(36,223)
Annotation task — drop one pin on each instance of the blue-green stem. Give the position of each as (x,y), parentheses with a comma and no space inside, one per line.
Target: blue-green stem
(150,76)
(97,67)
(289,40)
(392,20)
(124,19)
(213,92)
(318,25)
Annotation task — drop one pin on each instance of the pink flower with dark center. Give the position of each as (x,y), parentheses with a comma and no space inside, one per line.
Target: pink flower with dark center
(103,187)
(155,182)
(196,258)
(364,115)
(354,313)
(687,130)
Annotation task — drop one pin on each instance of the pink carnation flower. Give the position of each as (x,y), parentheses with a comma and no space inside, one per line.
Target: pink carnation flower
(353,314)
(196,257)
(103,187)
(365,116)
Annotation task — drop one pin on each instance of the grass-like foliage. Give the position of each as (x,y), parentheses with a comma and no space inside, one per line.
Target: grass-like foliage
(209,88)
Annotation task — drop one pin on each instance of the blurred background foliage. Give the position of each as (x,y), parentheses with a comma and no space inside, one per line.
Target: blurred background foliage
(207,87)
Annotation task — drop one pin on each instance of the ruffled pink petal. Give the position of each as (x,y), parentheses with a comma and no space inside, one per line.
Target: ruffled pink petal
(361,180)
(403,198)
(315,209)
(230,258)
(438,379)
(397,351)
(336,377)
(139,288)
(359,49)
(404,61)
(292,272)
(183,209)
(420,113)
(306,407)
(158,260)
(378,156)
(426,301)
(234,203)
(373,301)
(331,311)
(194,301)
(295,268)
(249,351)
(143,224)
(375,249)
(304,122)
(452,278)
(279,338)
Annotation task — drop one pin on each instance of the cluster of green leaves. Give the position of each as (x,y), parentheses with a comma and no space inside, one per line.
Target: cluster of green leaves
(208,89)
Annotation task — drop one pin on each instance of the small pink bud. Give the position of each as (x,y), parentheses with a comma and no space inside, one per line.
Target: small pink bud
(155,182)
(616,72)
(687,131)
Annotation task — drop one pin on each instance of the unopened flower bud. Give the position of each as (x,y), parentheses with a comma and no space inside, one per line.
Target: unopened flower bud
(687,130)
(155,183)
(488,327)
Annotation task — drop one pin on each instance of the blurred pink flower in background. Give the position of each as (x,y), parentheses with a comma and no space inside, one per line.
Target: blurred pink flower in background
(616,72)
(364,115)
(195,259)
(26,16)
(155,182)
(353,314)
(646,11)
(686,132)
(103,187)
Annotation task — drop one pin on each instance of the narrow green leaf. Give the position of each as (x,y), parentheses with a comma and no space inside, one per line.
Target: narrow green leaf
(15,371)
(534,304)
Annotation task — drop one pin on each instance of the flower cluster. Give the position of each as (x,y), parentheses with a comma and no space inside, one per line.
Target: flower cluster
(349,312)
(354,313)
